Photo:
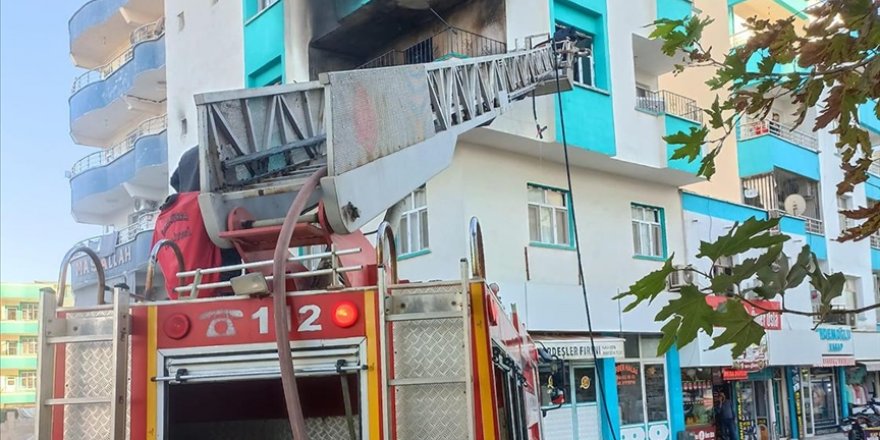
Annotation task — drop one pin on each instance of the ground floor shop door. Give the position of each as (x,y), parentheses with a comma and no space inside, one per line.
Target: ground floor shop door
(819,401)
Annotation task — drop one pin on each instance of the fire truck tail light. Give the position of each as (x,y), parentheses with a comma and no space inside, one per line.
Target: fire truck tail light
(345,314)
(176,326)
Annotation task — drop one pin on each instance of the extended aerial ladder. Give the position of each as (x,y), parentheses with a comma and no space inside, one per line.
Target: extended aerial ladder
(298,165)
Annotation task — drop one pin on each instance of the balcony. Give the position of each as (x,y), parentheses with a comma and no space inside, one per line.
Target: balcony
(449,43)
(679,113)
(124,254)
(129,87)
(107,182)
(361,27)
(100,28)
(23,362)
(765,145)
(8,327)
(18,397)
(772,192)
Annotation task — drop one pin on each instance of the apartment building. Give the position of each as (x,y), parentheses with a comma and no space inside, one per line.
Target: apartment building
(19,315)
(117,106)
(630,206)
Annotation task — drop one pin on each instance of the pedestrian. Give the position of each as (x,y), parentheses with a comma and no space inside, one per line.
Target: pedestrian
(726,417)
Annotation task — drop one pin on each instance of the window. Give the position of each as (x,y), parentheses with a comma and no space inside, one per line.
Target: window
(28,344)
(414,223)
(183,127)
(28,380)
(263,4)
(584,68)
(844,203)
(181,22)
(548,216)
(29,311)
(11,313)
(9,348)
(641,381)
(8,383)
(647,227)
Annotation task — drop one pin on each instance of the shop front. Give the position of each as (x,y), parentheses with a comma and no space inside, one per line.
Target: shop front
(824,395)
(578,374)
(644,381)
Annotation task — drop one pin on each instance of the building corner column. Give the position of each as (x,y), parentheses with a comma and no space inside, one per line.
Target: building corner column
(793,419)
(675,392)
(843,391)
(605,369)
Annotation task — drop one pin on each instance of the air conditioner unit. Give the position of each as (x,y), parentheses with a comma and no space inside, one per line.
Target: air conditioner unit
(809,192)
(679,278)
(145,205)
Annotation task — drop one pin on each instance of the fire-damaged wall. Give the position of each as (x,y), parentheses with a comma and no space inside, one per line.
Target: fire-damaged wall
(405,36)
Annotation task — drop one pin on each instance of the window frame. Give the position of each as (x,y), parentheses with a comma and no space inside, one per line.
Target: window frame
(26,376)
(26,308)
(643,361)
(25,342)
(566,208)
(660,225)
(589,57)
(405,240)
(8,344)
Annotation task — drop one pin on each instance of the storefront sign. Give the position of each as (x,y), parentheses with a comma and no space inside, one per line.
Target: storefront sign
(734,374)
(627,374)
(702,432)
(581,348)
(122,256)
(838,349)
(759,308)
(754,358)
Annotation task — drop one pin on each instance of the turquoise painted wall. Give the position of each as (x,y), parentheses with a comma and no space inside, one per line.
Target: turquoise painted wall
(818,245)
(759,155)
(674,9)
(872,187)
(752,65)
(18,362)
(605,368)
(263,44)
(792,405)
(675,124)
(792,225)
(875,259)
(675,392)
(868,118)
(719,208)
(589,119)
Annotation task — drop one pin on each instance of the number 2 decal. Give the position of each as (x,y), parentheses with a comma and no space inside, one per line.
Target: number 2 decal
(311,312)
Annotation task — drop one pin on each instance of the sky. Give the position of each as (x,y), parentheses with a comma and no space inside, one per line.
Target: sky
(36,73)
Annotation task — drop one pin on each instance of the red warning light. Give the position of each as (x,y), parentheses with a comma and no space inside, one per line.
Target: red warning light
(176,326)
(345,314)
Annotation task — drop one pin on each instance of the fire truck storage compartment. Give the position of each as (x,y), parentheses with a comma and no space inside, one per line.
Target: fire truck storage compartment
(237,394)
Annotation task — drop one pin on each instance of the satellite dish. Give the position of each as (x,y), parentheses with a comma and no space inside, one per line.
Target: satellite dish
(750,193)
(795,205)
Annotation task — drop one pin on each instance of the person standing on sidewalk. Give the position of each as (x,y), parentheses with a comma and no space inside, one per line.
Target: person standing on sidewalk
(726,417)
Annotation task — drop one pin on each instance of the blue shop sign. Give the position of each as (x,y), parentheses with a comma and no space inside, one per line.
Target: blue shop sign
(834,334)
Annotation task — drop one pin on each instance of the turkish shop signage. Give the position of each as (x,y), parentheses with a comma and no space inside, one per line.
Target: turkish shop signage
(767,313)
(581,349)
(115,264)
(837,346)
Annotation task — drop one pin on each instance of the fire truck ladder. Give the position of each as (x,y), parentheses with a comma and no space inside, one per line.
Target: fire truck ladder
(91,391)
(427,379)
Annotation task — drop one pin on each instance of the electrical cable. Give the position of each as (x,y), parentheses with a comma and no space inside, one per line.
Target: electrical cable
(577,244)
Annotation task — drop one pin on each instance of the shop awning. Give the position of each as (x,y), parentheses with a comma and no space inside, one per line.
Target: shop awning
(871,365)
(580,347)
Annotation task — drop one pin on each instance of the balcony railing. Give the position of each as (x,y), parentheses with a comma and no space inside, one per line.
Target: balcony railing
(147,32)
(812,225)
(144,223)
(753,129)
(875,241)
(666,102)
(740,38)
(100,158)
(451,42)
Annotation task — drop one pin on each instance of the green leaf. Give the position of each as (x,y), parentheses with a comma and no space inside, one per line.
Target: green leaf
(800,269)
(716,120)
(740,328)
(752,234)
(647,288)
(747,269)
(695,312)
(669,331)
(692,143)
(773,275)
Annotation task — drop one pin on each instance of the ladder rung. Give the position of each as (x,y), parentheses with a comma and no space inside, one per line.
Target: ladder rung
(422,316)
(78,339)
(77,401)
(426,380)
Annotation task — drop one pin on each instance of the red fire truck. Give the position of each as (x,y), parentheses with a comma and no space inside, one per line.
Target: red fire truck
(329,344)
